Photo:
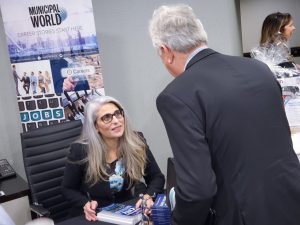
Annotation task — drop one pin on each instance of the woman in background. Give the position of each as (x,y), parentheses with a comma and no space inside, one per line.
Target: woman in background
(277,27)
(41,82)
(47,81)
(108,160)
(277,30)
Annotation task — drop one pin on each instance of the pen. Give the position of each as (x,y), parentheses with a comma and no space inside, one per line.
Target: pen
(90,200)
(88,196)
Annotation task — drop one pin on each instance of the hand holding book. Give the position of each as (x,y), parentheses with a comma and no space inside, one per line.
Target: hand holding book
(121,214)
(145,202)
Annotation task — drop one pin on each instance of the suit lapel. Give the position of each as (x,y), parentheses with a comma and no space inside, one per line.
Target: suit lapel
(202,54)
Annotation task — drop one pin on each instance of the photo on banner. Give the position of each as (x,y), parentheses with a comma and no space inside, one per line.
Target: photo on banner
(55,58)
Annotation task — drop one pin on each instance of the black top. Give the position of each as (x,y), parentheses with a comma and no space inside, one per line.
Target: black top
(75,189)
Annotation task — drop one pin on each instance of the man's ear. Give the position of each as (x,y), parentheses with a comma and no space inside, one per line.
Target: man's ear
(167,53)
(162,49)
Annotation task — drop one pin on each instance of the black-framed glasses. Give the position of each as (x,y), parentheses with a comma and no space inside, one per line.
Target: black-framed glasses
(107,118)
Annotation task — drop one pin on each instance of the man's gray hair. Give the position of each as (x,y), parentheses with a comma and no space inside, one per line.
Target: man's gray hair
(177,27)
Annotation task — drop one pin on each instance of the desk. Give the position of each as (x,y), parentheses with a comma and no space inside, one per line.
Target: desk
(13,187)
(15,201)
(80,220)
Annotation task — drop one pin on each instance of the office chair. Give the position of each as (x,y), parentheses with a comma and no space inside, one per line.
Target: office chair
(44,154)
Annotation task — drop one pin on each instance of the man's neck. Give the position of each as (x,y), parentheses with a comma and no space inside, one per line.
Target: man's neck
(181,59)
(194,52)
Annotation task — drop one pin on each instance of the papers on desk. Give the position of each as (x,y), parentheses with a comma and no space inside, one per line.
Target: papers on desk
(120,214)
(296,142)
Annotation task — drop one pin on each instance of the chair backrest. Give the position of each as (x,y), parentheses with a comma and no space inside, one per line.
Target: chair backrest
(44,154)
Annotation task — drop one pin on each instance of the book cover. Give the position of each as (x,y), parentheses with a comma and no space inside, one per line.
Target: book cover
(122,214)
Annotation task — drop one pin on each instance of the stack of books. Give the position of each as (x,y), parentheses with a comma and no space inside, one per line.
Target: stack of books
(122,214)
(161,213)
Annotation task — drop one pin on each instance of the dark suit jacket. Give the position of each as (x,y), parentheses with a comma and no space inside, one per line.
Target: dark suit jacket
(26,80)
(231,142)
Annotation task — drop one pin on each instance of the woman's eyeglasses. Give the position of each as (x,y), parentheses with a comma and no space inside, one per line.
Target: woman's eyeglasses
(107,118)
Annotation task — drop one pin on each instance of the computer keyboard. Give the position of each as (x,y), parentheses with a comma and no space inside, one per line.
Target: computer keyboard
(6,169)
(40,110)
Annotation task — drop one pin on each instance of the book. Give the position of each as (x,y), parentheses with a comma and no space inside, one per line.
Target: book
(117,213)
(161,213)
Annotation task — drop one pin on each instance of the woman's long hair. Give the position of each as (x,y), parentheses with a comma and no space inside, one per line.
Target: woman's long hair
(273,28)
(131,148)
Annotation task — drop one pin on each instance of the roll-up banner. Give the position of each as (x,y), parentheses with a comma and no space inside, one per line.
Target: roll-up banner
(55,58)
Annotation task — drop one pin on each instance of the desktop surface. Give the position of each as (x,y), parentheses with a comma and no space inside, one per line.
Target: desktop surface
(14,199)
(80,220)
(12,188)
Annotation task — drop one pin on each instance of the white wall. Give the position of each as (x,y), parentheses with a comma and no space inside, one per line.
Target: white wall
(18,210)
(132,70)
(10,125)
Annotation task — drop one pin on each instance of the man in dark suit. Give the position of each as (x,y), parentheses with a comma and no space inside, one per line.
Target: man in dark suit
(227,128)
(26,82)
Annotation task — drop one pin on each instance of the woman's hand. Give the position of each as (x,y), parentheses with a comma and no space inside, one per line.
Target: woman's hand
(148,203)
(90,210)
